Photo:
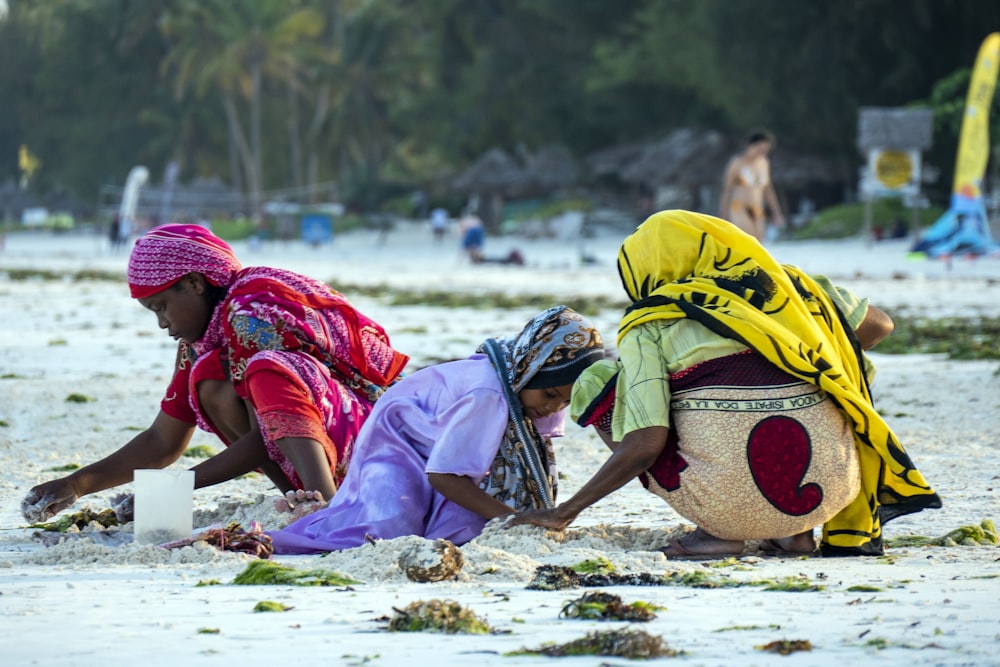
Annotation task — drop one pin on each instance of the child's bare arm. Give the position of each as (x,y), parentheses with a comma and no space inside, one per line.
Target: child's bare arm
(157,447)
(246,454)
(463,491)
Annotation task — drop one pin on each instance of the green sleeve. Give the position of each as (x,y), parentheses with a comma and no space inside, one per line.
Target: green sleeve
(851,305)
(643,390)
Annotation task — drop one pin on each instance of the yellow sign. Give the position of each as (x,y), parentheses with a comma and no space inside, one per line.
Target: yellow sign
(893,169)
(974,143)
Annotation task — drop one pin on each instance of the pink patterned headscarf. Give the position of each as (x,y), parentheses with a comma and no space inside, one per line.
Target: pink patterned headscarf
(167,253)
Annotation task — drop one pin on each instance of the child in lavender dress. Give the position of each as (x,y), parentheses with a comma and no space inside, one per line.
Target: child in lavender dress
(454,445)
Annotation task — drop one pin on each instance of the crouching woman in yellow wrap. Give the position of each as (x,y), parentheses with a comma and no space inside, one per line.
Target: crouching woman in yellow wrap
(741,397)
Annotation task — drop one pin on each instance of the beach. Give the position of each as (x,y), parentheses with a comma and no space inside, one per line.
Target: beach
(71,329)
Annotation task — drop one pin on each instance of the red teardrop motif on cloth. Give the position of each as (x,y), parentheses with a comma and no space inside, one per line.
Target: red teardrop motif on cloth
(779,451)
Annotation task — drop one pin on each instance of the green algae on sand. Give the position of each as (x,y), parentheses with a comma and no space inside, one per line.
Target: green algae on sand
(627,643)
(263,572)
(985,534)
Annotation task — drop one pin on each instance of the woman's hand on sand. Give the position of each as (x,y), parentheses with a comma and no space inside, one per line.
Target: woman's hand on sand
(551,519)
(46,500)
(300,503)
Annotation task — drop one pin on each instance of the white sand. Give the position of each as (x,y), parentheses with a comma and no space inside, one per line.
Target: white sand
(84,604)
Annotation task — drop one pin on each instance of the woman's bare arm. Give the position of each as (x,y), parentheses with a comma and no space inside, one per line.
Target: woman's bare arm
(636,453)
(876,326)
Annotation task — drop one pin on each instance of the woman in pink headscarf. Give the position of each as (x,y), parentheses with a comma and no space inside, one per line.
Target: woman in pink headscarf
(280,366)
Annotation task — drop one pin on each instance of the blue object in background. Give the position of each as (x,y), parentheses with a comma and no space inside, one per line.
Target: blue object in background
(317,228)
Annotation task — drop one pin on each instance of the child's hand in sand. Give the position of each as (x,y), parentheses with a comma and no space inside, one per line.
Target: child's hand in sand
(300,503)
(46,500)
(551,519)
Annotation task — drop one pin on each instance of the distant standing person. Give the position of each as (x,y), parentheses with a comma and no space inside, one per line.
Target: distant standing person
(473,236)
(439,223)
(116,233)
(747,187)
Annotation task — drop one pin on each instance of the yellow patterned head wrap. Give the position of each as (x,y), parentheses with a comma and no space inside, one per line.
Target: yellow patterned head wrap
(682,264)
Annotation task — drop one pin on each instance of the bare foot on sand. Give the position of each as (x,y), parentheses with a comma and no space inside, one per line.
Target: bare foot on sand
(300,503)
(699,545)
(796,545)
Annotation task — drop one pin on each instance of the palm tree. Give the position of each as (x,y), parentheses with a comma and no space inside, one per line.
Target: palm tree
(229,50)
(378,63)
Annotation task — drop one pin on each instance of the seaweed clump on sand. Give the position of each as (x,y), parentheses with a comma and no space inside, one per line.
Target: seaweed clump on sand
(445,616)
(558,577)
(263,572)
(254,542)
(635,644)
(600,565)
(80,520)
(601,606)
(985,534)
(786,646)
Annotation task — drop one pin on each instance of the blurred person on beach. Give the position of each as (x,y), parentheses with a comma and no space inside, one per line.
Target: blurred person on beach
(439,223)
(746,187)
(741,397)
(459,443)
(117,232)
(470,230)
(278,365)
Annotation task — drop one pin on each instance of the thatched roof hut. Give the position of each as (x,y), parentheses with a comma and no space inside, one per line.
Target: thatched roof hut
(498,175)
(686,167)
(497,172)
(552,168)
(696,158)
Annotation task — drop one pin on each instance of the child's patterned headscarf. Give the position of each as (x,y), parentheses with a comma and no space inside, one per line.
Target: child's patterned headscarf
(167,253)
(552,350)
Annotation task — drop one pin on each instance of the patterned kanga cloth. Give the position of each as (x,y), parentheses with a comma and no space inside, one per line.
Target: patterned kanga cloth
(680,264)
(753,452)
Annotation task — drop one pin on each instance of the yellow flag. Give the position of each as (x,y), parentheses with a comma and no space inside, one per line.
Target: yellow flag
(974,141)
(27,162)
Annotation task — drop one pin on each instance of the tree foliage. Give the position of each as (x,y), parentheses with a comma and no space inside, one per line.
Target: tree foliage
(280,93)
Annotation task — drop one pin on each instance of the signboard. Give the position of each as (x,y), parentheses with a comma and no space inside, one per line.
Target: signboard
(892,171)
(317,228)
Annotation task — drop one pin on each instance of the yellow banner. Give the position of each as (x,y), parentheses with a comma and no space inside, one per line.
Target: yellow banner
(974,141)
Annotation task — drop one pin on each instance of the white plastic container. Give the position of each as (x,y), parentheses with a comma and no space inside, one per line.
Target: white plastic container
(163,505)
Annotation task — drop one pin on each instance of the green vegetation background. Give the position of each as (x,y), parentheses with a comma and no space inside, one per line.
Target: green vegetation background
(384,95)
